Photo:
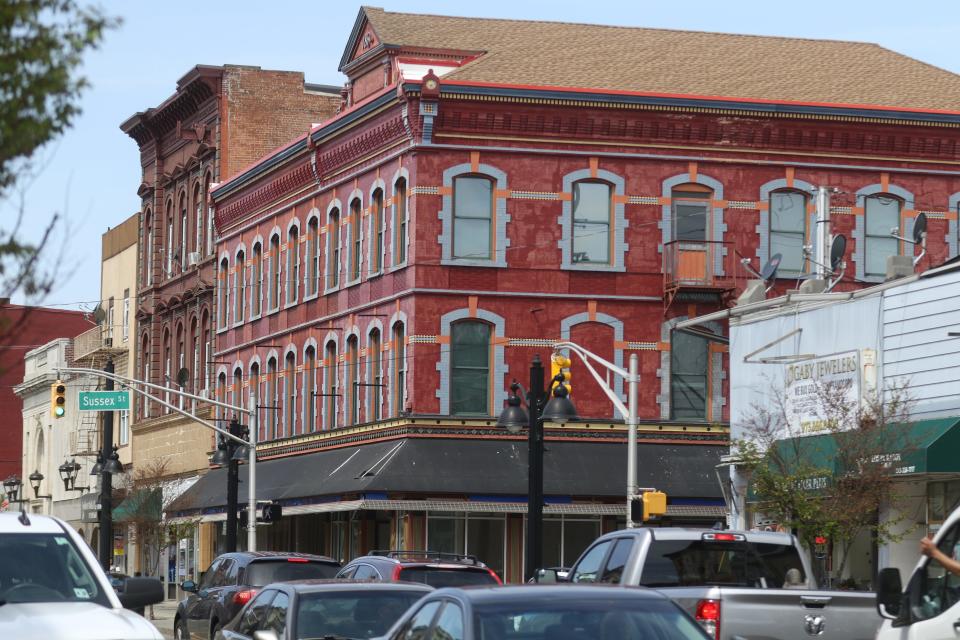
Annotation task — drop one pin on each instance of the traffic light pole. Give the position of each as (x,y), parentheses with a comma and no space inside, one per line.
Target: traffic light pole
(106,481)
(535,401)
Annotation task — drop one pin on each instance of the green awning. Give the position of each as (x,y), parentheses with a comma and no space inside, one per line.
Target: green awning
(924,446)
(144,505)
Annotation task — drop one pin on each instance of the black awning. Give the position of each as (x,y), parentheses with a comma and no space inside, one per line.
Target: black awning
(588,470)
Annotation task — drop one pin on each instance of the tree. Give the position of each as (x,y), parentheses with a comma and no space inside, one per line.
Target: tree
(835,483)
(42,44)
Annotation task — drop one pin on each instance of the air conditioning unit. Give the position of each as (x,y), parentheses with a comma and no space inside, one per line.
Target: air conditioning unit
(193,258)
(108,343)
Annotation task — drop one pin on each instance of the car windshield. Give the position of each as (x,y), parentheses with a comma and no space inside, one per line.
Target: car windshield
(447,577)
(45,567)
(354,614)
(263,572)
(572,617)
(675,563)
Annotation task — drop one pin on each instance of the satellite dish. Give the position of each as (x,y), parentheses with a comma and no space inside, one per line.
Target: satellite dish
(920,228)
(99,315)
(182,376)
(769,271)
(837,250)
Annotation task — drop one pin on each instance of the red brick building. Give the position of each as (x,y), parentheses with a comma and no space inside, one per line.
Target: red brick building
(24,328)
(219,120)
(493,186)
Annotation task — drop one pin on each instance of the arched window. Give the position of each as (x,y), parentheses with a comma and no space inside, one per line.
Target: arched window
(788,229)
(145,363)
(222,393)
(293,264)
(356,211)
(330,385)
(184,225)
(148,248)
(167,364)
(194,355)
(206,343)
(181,359)
(256,281)
(400,222)
(224,294)
(313,255)
(240,288)
(198,220)
(273,302)
(353,381)
(398,384)
(472,217)
(374,375)
(310,389)
(333,249)
(882,215)
(689,371)
(470,368)
(236,391)
(289,394)
(691,212)
(272,399)
(168,260)
(377,231)
(254,382)
(592,222)
(208,178)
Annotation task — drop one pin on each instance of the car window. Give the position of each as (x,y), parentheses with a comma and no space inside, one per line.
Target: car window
(207,578)
(366,572)
(231,572)
(674,563)
(933,589)
(441,577)
(418,627)
(220,577)
(276,619)
(588,567)
(613,571)
(347,572)
(45,567)
(449,625)
(263,572)
(255,612)
(365,613)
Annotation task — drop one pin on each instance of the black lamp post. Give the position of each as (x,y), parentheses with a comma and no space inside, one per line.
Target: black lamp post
(230,453)
(36,478)
(68,473)
(11,486)
(559,409)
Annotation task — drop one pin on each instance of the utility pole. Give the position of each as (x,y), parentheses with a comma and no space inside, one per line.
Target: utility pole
(106,481)
(233,480)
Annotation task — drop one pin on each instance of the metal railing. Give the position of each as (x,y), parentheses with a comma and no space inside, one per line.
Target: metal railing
(693,264)
(91,341)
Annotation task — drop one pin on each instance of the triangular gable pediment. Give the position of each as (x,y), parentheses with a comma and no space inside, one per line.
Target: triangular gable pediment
(363,38)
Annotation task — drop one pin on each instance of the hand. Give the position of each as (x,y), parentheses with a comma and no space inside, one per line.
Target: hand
(927,547)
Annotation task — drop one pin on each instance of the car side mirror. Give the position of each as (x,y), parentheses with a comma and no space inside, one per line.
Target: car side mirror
(548,576)
(889,593)
(189,586)
(265,634)
(140,592)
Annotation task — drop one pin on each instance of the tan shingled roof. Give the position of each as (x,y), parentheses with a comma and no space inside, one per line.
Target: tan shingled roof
(676,62)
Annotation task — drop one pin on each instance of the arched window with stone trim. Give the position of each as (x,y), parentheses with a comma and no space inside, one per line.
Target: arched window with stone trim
(400,204)
(789,229)
(293,264)
(377,231)
(881,214)
(310,389)
(148,247)
(313,255)
(167,366)
(473,217)
(198,219)
(254,388)
(223,290)
(256,281)
(689,373)
(184,233)
(374,374)
(290,393)
(470,367)
(356,237)
(168,258)
(330,390)
(272,400)
(207,181)
(398,383)
(273,297)
(592,222)
(333,249)
(352,382)
(145,372)
(236,390)
(239,287)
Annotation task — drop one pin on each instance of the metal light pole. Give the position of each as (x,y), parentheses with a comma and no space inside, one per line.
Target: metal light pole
(106,482)
(252,476)
(535,400)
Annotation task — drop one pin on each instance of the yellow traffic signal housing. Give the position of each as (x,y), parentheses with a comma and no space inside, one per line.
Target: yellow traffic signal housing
(560,365)
(58,399)
(654,504)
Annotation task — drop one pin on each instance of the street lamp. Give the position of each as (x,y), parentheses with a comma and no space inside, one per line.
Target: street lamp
(35,479)
(230,452)
(513,418)
(11,487)
(68,473)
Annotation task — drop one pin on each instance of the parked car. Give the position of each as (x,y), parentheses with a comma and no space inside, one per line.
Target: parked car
(51,586)
(735,583)
(428,567)
(323,609)
(546,612)
(231,582)
(929,607)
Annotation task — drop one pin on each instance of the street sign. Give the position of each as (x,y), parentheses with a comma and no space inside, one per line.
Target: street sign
(104,400)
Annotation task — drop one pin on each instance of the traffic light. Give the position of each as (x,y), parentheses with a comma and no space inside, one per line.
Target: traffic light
(58,399)
(560,365)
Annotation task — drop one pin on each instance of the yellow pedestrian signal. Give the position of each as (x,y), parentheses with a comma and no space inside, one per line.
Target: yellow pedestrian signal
(654,504)
(58,399)
(560,365)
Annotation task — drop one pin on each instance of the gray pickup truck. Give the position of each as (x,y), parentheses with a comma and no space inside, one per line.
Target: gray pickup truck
(739,585)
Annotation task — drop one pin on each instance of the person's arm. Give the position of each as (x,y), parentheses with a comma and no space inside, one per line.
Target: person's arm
(928,548)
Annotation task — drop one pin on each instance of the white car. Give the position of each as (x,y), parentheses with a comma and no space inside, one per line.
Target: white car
(51,586)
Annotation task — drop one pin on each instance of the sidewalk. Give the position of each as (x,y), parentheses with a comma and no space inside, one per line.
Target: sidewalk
(163,617)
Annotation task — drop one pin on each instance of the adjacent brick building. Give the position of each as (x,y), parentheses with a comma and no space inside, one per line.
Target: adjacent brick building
(219,120)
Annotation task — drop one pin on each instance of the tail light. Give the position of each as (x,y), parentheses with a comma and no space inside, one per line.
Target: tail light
(396,572)
(495,576)
(300,560)
(243,597)
(708,615)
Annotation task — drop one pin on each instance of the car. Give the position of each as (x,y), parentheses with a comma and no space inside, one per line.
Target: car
(546,612)
(51,586)
(231,582)
(429,567)
(323,609)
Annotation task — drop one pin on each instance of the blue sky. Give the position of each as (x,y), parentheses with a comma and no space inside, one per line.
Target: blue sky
(90,175)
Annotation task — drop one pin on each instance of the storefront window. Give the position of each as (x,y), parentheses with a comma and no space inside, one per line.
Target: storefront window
(485,538)
(564,539)
(446,535)
(942,499)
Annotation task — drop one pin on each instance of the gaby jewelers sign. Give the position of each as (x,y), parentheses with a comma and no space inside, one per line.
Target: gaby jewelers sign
(812,386)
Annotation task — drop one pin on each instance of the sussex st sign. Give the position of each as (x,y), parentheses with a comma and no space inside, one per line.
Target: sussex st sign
(104,400)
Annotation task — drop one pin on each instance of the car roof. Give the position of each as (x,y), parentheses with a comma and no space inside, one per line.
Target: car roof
(318,585)
(683,533)
(250,556)
(537,593)
(445,560)
(10,523)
